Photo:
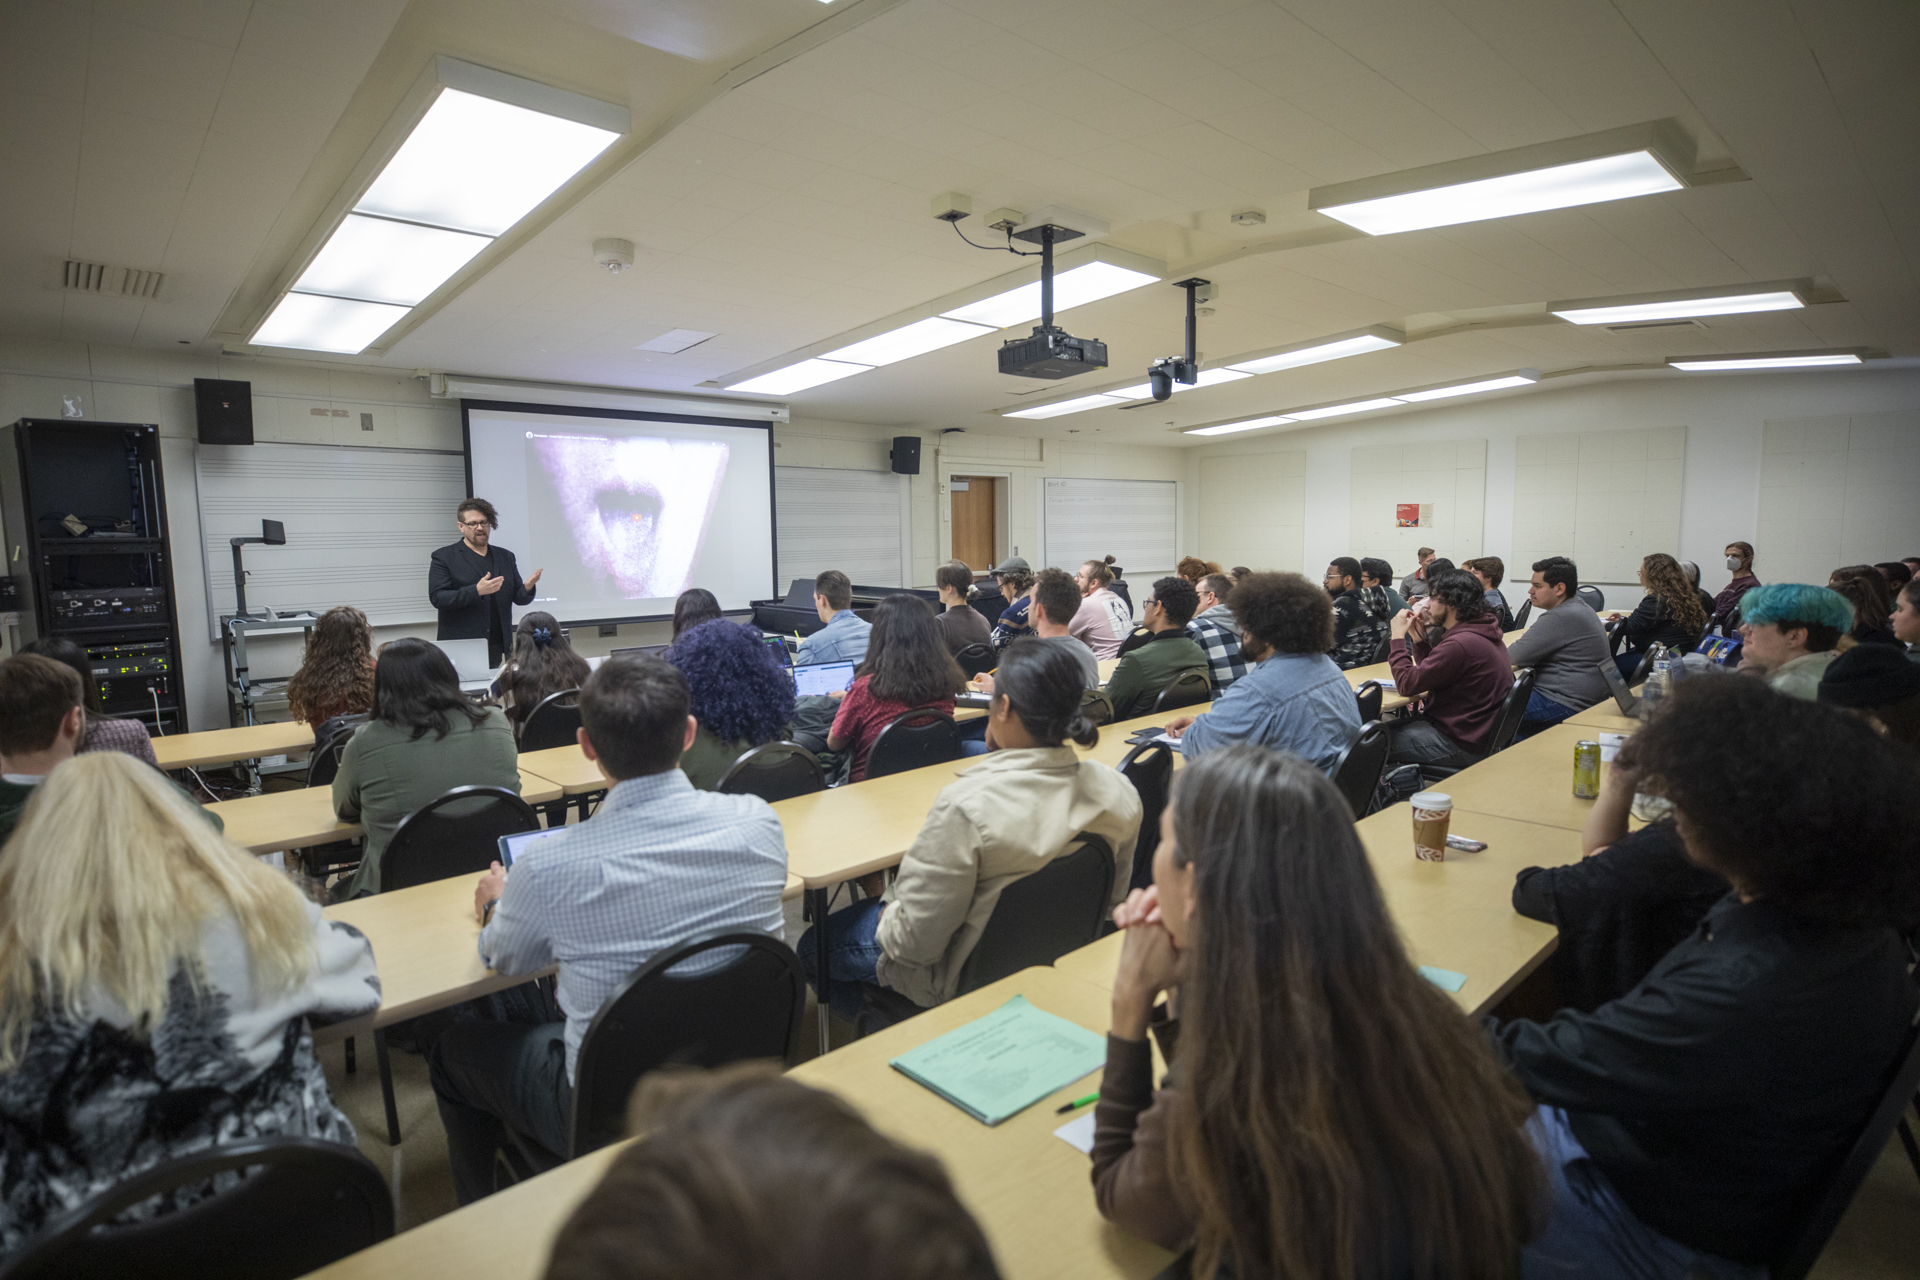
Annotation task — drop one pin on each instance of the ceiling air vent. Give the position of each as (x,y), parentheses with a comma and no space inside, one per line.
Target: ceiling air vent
(117,282)
(1638,326)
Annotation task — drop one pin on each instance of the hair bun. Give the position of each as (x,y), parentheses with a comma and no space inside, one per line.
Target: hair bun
(1082,730)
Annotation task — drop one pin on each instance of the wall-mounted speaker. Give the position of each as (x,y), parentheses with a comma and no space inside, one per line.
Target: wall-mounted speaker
(906,455)
(223,410)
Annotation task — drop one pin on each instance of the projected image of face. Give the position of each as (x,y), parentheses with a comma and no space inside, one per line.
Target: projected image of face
(636,509)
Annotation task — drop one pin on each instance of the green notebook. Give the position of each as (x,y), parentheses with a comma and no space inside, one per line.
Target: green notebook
(999,1065)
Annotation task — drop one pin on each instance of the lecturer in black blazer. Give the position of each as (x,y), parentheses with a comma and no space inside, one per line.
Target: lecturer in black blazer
(475,584)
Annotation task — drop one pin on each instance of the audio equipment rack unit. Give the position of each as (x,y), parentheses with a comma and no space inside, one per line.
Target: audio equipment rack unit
(86,525)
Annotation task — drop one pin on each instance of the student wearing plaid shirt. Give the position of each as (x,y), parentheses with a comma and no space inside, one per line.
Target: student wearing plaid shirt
(659,864)
(1213,628)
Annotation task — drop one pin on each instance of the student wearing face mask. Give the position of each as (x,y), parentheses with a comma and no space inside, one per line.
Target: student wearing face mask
(1726,605)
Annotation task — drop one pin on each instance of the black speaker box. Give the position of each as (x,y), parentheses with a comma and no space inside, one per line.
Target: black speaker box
(906,455)
(224,411)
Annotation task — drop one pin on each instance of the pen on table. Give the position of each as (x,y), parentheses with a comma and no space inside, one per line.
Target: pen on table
(1076,1104)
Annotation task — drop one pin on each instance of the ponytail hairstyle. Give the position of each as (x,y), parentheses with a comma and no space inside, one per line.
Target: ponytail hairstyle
(543,663)
(1045,687)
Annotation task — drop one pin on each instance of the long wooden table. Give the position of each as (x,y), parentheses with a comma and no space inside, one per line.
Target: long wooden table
(278,820)
(1030,1191)
(1605,718)
(1531,781)
(224,746)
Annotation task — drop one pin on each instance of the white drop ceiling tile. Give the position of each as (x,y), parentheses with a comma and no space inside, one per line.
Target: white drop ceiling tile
(125,57)
(1586,243)
(92,318)
(1173,182)
(1596,68)
(1504,114)
(929,30)
(1082,30)
(218,22)
(1006,63)
(1131,116)
(1244,33)
(924,87)
(1298,138)
(291,107)
(44,55)
(1383,32)
(1658,230)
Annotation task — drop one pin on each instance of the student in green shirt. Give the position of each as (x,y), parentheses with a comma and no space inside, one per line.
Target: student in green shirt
(1148,663)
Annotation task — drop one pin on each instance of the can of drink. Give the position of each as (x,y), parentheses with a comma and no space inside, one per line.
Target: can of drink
(1586,769)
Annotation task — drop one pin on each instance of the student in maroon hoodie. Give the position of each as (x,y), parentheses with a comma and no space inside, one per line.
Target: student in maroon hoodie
(1460,680)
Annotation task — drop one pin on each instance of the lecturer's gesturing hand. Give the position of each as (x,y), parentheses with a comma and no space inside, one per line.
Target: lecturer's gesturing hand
(489,584)
(535,578)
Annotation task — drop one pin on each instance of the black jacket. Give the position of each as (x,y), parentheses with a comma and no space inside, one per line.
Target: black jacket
(1719,1091)
(451,580)
(1651,623)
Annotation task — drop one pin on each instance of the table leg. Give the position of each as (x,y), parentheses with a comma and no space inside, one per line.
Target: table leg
(818,901)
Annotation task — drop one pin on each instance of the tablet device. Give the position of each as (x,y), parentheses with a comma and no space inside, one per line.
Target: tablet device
(519,842)
(822,677)
(780,651)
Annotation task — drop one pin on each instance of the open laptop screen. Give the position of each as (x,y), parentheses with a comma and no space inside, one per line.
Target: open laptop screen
(822,677)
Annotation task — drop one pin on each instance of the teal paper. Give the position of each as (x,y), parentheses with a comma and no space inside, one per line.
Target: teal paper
(999,1065)
(1445,979)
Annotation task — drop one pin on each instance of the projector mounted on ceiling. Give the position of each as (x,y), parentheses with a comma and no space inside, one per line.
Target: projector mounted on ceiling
(1050,352)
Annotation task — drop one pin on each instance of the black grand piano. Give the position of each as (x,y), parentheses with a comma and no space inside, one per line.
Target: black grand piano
(795,613)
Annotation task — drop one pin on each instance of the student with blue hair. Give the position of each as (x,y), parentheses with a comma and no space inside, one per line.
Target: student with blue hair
(1788,631)
(739,694)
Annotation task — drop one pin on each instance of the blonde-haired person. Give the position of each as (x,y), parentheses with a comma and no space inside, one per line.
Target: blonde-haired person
(1669,613)
(336,673)
(157,989)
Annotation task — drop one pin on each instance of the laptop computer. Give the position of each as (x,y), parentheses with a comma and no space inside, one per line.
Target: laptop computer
(469,658)
(514,845)
(815,678)
(652,650)
(1623,697)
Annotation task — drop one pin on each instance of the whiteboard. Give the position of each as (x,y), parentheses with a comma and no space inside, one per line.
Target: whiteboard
(853,521)
(1134,521)
(361,526)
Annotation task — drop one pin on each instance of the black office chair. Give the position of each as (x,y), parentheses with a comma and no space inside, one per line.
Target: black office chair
(307,1203)
(555,722)
(1385,648)
(1520,618)
(774,771)
(1596,598)
(1096,706)
(1038,918)
(1358,774)
(323,765)
(1829,1203)
(977,659)
(1369,695)
(1184,690)
(920,737)
(750,1006)
(1505,725)
(1149,767)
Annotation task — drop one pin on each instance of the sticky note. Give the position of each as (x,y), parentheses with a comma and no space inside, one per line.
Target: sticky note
(1078,1134)
(1445,979)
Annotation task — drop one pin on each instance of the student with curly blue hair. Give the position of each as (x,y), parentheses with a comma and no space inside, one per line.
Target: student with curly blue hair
(1788,631)
(740,696)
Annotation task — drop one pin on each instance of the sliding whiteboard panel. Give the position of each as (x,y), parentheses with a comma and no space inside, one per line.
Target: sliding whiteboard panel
(361,526)
(1134,521)
(853,521)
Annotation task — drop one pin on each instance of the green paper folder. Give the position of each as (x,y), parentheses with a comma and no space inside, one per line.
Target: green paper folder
(1445,979)
(999,1065)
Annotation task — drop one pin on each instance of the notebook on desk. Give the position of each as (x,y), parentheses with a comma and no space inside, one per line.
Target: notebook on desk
(1000,1065)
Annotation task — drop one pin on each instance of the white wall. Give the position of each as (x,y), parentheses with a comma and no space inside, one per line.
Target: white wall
(1724,414)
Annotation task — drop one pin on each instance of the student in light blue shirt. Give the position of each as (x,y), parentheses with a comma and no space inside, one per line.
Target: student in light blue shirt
(1294,699)
(844,638)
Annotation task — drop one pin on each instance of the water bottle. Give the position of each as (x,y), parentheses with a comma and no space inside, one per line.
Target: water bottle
(1659,679)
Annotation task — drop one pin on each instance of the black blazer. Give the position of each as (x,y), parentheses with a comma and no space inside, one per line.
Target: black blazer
(451,585)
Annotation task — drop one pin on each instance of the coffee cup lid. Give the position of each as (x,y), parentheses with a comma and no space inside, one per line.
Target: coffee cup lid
(1432,800)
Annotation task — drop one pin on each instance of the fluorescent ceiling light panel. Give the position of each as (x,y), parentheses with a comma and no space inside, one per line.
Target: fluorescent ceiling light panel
(375,260)
(674,341)
(1088,282)
(1063,407)
(476,164)
(1208,378)
(1336,410)
(1228,428)
(910,340)
(1730,304)
(798,377)
(1377,339)
(1779,360)
(1519,378)
(315,323)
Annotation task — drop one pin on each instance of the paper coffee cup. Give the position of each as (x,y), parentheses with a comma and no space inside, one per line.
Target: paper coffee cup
(1432,811)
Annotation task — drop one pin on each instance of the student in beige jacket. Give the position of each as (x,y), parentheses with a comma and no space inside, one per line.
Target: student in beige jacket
(1015,810)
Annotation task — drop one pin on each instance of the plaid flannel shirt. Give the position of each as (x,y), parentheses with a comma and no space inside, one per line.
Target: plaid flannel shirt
(1225,662)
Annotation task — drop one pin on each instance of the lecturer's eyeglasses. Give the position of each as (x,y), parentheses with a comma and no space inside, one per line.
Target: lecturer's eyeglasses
(473,524)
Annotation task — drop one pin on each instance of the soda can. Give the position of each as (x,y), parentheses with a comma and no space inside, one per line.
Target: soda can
(1586,769)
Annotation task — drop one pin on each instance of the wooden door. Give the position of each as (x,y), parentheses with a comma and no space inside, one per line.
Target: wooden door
(972,501)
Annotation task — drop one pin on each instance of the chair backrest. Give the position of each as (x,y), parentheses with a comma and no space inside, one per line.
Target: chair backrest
(555,722)
(1184,690)
(774,771)
(1149,767)
(734,1007)
(1512,711)
(922,736)
(976,659)
(1358,773)
(1596,598)
(1096,706)
(1368,695)
(329,740)
(1829,1201)
(454,834)
(1041,917)
(1384,650)
(307,1203)
(1525,612)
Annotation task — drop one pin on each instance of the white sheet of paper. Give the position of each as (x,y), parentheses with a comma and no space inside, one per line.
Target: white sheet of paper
(1078,1134)
(1610,744)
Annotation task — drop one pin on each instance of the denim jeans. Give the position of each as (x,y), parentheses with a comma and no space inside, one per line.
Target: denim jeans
(1542,713)
(490,1078)
(1420,742)
(852,955)
(1592,1234)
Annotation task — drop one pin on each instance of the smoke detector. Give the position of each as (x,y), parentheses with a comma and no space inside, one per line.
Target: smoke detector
(615,255)
(1248,217)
